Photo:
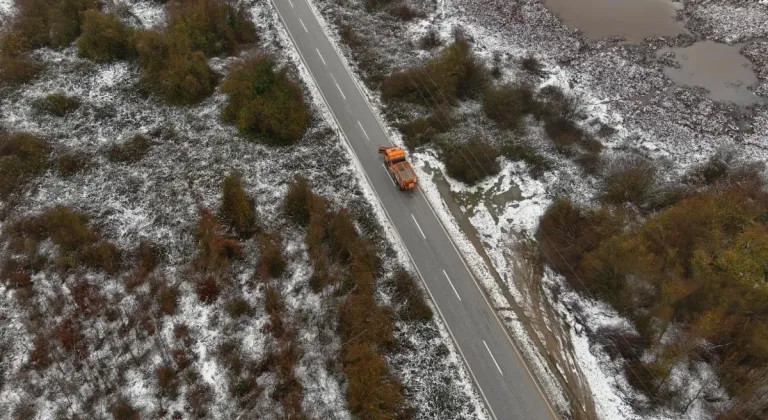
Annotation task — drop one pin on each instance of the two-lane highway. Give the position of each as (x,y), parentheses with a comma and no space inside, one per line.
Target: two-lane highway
(500,374)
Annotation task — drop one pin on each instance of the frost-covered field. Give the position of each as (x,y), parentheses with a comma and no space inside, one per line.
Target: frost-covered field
(627,103)
(158,199)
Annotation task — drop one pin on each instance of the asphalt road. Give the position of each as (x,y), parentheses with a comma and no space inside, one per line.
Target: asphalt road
(500,374)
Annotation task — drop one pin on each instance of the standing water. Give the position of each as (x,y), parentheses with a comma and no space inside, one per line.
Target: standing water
(719,68)
(634,20)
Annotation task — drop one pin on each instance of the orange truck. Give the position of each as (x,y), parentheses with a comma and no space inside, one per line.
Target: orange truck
(401,171)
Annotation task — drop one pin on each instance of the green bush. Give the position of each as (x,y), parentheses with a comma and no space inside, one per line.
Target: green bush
(104,38)
(172,69)
(22,156)
(507,105)
(211,26)
(70,164)
(471,161)
(264,102)
(130,151)
(236,208)
(454,74)
(57,104)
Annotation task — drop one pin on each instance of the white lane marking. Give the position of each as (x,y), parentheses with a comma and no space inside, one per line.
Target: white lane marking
(289,1)
(493,358)
(321,56)
(449,282)
(302,24)
(337,87)
(366,134)
(417,225)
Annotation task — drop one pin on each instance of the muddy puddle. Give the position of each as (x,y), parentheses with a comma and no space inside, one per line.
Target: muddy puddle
(718,68)
(634,20)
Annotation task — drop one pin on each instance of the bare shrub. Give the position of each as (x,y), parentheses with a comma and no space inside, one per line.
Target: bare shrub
(415,306)
(361,320)
(370,387)
(216,251)
(167,381)
(424,130)
(210,26)
(39,357)
(123,410)
(431,39)
(629,180)
(296,204)
(199,397)
(15,71)
(405,12)
(532,65)
(168,300)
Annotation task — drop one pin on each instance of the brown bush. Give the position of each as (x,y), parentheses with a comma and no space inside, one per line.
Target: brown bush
(216,251)
(296,204)
(15,274)
(265,103)
(168,300)
(70,164)
(15,71)
(22,156)
(57,104)
(87,298)
(207,290)
(123,410)
(172,70)
(148,256)
(236,208)
(167,381)
(238,307)
(70,336)
(180,359)
(406,13)
(455,74)
(567,233)
(372,393)
(415,306)
(507,105)
(39,357)
(361,320)
(213,27)
(130,151)
(471,161)
(104,38)
(271,262)
(52,23)
(629,180)
(199,397)
(104,255)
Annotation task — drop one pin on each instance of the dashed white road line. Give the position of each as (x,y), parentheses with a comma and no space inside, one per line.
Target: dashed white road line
(493,358)
(337,85)
(454,289)
(302,24)
(289,1)
(321,56)
(417,225)
(366,134)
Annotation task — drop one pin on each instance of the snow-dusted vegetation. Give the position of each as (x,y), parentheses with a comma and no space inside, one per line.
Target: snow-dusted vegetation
(506,109)
(155,264)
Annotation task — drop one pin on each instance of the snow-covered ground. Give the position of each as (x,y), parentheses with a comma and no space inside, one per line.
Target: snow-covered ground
(627,102)
(158,199)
